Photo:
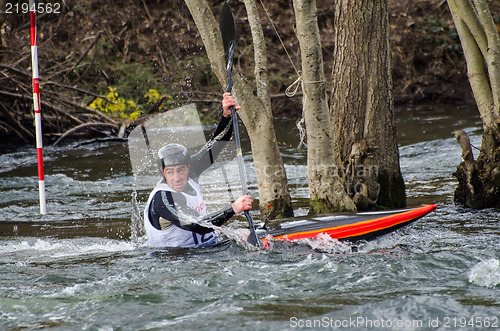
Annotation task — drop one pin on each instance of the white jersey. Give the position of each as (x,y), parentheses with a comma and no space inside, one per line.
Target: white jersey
(175,236)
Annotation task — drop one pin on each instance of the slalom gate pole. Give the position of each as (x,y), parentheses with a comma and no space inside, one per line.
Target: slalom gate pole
(36,106)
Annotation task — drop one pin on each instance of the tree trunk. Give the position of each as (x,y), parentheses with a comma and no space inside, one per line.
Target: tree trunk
(362,107)
(327,194)
(2,27)
(274,199)
(479,180)
(260,54)
(2,10)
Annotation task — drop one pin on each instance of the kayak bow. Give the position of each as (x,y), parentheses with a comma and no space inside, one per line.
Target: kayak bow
(348,227)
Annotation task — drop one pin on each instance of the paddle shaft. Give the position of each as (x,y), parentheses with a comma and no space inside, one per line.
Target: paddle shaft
(252,238)
(239,153)
(228,31)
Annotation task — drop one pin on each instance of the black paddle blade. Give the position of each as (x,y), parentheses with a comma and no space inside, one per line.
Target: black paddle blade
(227,29)
(252,237)
(253,240)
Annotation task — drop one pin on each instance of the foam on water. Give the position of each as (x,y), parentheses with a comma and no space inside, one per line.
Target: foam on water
(486,273)
(35,249)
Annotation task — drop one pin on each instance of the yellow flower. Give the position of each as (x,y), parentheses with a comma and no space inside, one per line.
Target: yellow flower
(131,105)
(135,115)
(114,105)
(96,104)
(152,96)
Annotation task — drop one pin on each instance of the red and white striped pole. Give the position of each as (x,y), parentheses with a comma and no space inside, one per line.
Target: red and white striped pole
(36,105)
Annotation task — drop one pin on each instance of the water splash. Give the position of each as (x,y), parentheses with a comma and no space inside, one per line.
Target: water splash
(322,243)
(137,231)
(238,235)
(486,273)
(326,244)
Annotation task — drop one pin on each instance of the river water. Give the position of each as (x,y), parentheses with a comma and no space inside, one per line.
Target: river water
(82,267)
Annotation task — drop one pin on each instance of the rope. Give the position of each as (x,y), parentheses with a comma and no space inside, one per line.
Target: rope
(279,37)
(302,132)
(292,89)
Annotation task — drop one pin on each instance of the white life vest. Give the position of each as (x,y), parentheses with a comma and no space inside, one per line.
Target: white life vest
(175,236)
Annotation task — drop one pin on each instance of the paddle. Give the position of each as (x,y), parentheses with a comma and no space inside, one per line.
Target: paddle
(228,31)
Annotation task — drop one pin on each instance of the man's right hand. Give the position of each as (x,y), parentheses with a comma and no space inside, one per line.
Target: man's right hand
(242,203)
(228,101)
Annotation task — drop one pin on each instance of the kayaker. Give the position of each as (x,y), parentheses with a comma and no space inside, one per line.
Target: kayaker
(175,207)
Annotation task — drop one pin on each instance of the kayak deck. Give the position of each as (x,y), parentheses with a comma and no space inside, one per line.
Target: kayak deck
(348,227)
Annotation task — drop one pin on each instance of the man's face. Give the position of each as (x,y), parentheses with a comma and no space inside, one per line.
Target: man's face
(177,176)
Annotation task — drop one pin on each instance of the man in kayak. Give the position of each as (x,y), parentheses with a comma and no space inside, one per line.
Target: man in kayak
(175,209)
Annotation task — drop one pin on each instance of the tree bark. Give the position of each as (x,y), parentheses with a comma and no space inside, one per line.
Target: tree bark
(274,199)
(260,54)
(2,15)
(327,192)
(479,180)
(362,107)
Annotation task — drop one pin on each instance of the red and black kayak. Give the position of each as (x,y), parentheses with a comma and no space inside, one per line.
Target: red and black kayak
(347,227)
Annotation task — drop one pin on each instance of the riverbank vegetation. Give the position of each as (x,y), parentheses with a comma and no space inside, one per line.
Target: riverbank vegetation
(134,46)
